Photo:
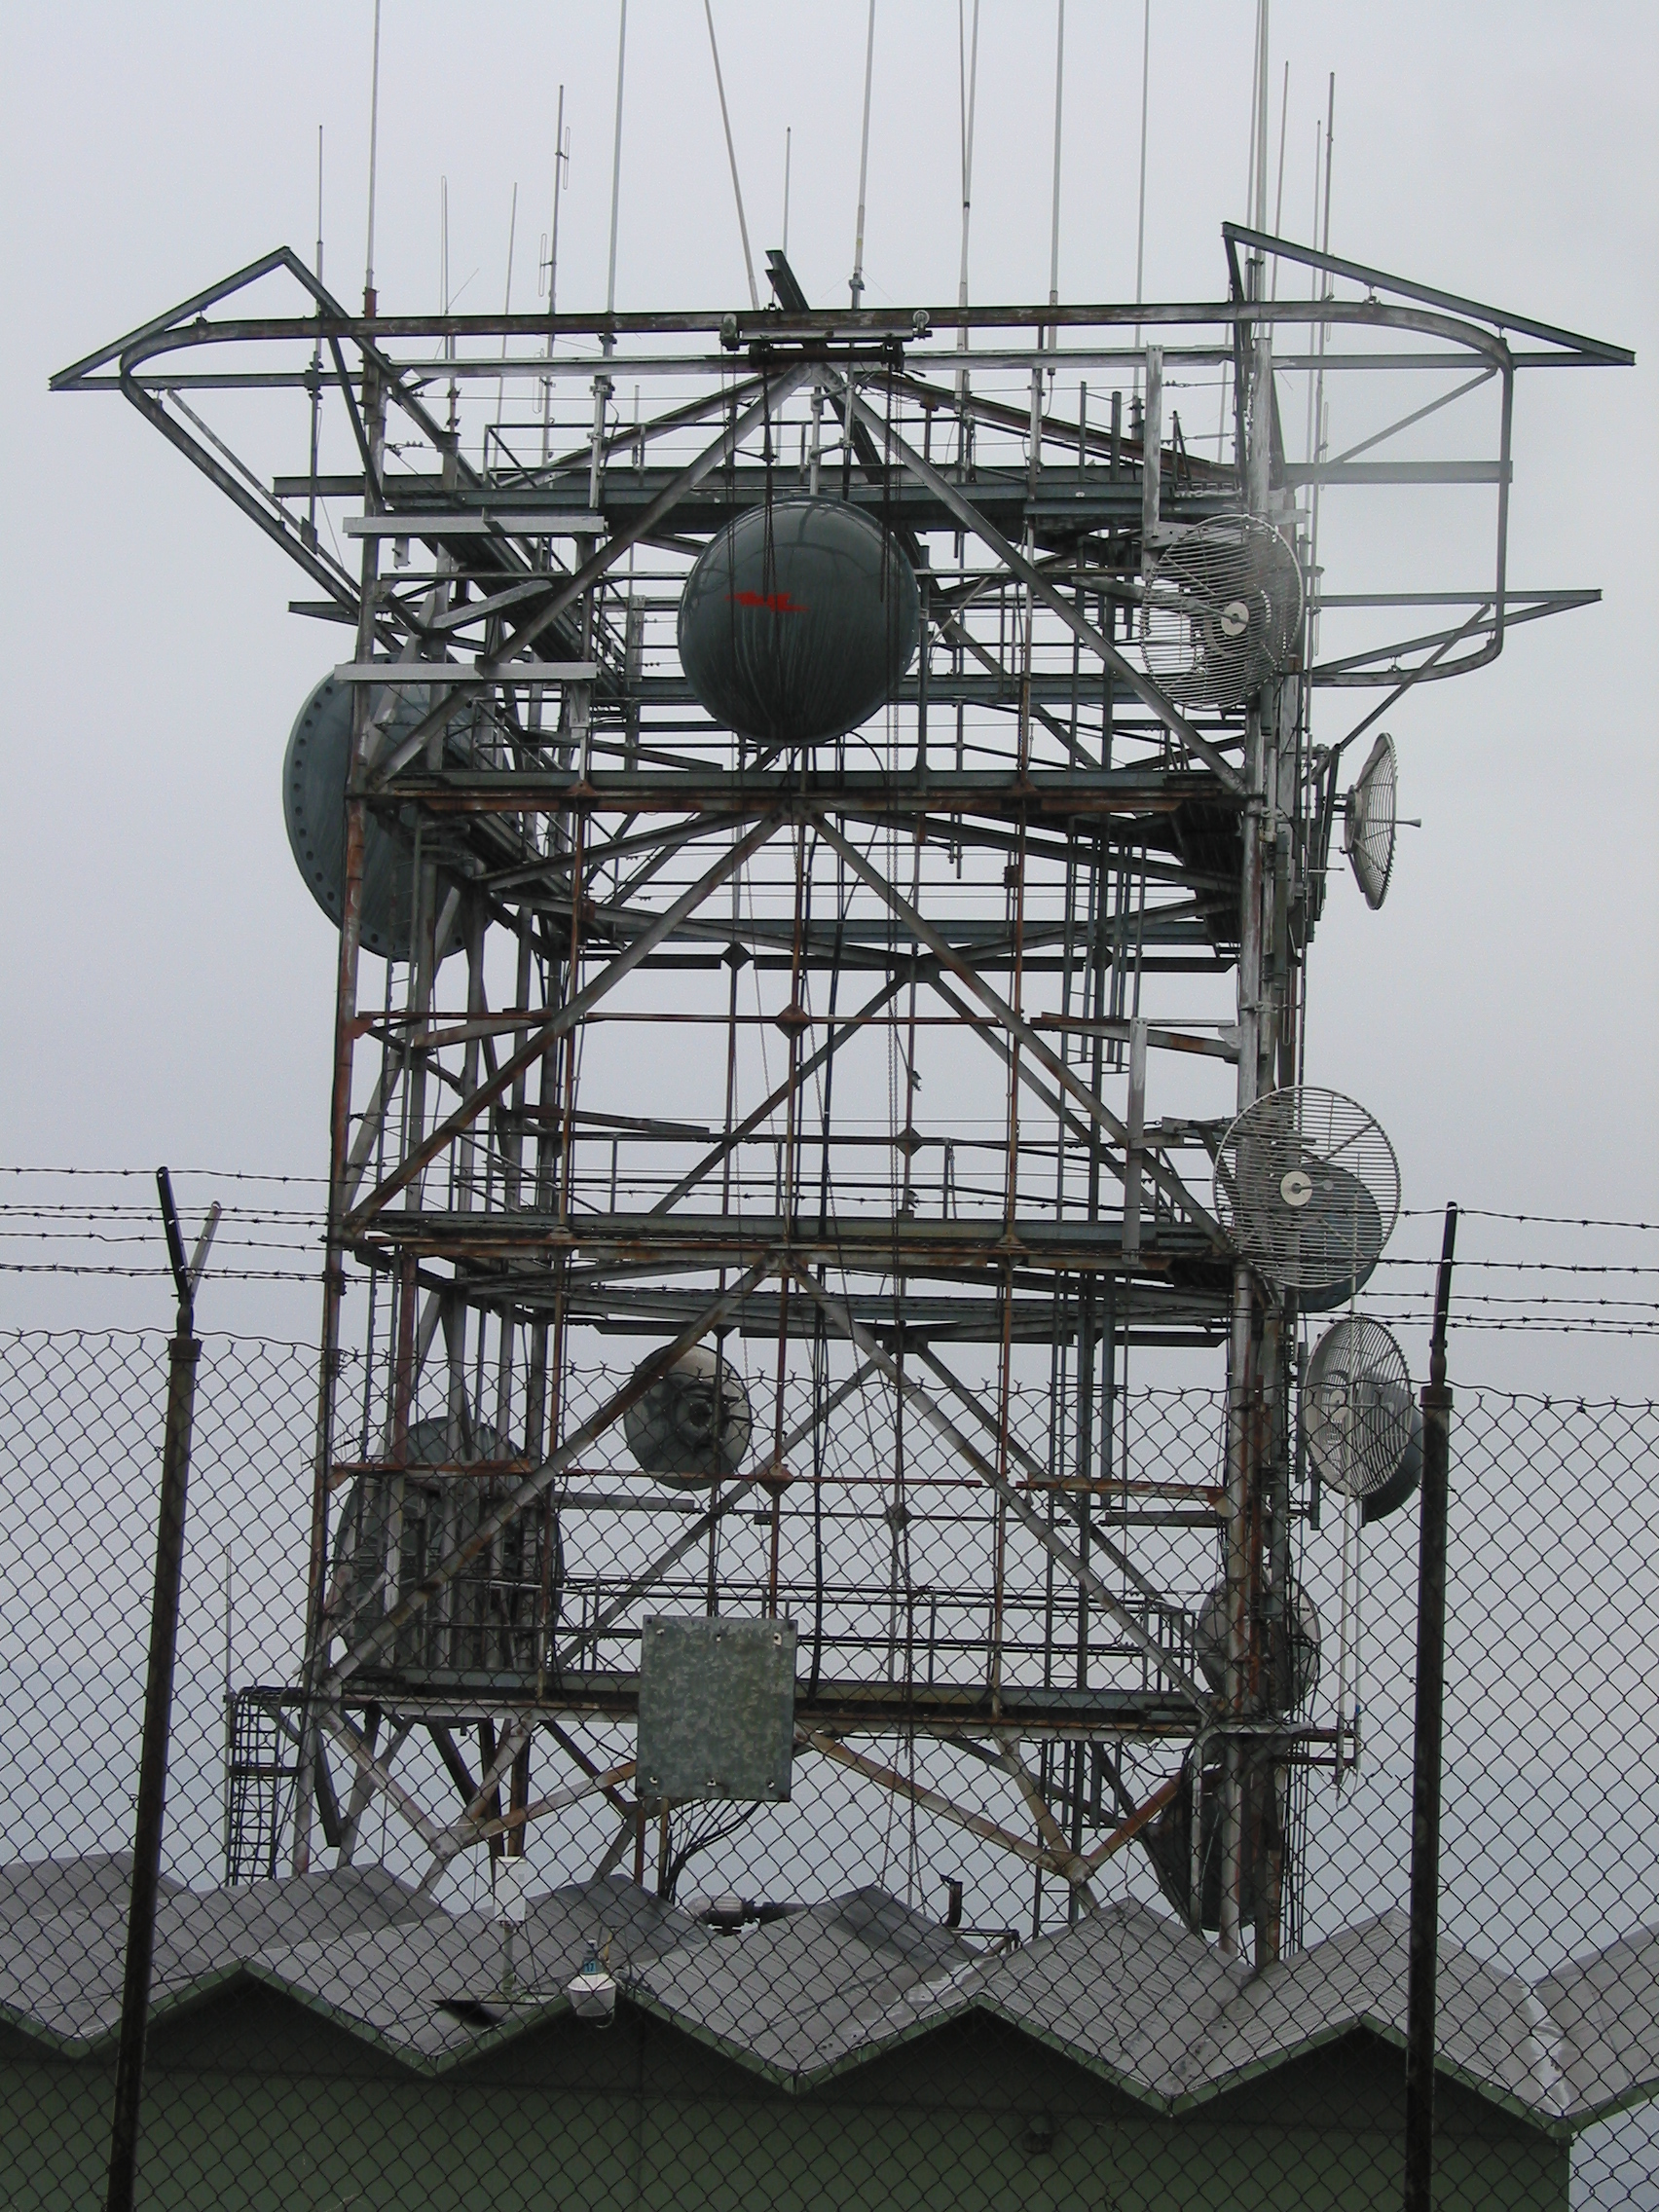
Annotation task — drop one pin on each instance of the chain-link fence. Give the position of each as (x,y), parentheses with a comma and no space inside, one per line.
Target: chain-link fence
(949,1962)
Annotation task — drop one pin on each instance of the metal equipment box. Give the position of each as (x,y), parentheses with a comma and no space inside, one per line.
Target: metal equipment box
(717,1709)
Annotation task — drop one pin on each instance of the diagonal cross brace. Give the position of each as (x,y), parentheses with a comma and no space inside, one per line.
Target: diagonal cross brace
(836,1313)
(466,1837)
(1130,1828)
(386,1630)
(919,927)
(704,1522)
(969,516)
(1049,1829)
(377,1775)
(573,1010)
(471,1826)
(935,1801)
(839,1033)
(1033,1466)
(556,595)
(776,391)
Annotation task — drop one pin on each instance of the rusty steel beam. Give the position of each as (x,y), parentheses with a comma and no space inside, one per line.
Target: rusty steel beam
(386,1630)
(1021,1030)
(935,1801)
(957,504)
(549,1031)
(1017,1503)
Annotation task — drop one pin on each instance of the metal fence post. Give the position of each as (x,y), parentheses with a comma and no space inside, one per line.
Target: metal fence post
(183,1352)
(1428,1746)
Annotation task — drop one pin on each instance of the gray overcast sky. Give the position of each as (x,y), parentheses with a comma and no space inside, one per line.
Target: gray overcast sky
(169,984)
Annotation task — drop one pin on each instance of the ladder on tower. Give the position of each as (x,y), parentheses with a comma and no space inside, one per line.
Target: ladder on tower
(262,1762)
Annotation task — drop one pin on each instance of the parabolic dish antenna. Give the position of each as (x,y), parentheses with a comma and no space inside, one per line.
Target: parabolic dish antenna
(1360,1418)
(1369,821)
(1222,611)
(313,807)
(1307,1188)
(693,1423)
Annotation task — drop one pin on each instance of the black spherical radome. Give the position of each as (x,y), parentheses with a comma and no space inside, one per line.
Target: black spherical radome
(795,634)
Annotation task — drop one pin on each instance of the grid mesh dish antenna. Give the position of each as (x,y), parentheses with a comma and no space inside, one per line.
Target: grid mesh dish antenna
(1222,611)
(1307,1188)
(1356,1407)
(1369,821)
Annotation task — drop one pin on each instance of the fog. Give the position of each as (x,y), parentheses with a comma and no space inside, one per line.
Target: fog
(168,985)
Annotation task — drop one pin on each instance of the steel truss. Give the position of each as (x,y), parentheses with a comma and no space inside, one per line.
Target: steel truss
(639,1102)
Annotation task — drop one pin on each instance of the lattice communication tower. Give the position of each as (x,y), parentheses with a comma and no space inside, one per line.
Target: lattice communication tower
(791,787)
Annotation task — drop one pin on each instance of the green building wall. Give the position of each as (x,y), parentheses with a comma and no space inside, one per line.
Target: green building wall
(254,2104)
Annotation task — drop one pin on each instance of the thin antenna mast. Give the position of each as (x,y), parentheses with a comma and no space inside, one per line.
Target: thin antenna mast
(561,179)
(507,302)
(1278,202)
(1140,218)
(1261,213)
(1315,279)
(788,135)
(444,287)
(560,166)
(1059,104)
(968,86)
(374,149)
(616,165)
(731,157)
(1255,88)
(1319,386)
(316,358)
(858,283)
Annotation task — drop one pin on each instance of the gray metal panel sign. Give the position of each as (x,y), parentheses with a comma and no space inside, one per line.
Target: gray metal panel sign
(717,1709)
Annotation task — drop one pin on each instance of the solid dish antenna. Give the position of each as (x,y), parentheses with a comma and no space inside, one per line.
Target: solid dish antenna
(1292,1648)
(1359,1414)
(314,771)
(1307,1188)
(1370,822)
(693,1423)
(1222,611)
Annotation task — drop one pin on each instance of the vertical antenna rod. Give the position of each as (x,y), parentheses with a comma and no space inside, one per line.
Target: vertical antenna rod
(1278,201)
(316,357)
(1318,439)
(731,157)
(858,284)
(1060,101)
(1140,218)
(561,164)
(616,165)
(1255,84)
(507,302)
(1261,211)
(788,135)
(374,149)
(968,86)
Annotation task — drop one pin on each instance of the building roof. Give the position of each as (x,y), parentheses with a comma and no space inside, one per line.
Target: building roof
(1127,1993)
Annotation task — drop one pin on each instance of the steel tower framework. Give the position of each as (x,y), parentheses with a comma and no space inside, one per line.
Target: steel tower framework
(677,1084)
